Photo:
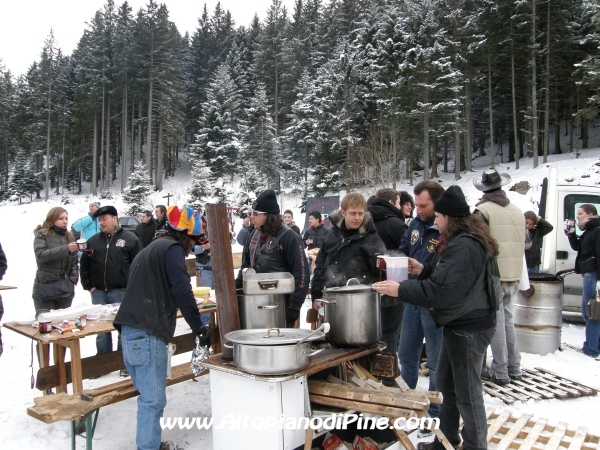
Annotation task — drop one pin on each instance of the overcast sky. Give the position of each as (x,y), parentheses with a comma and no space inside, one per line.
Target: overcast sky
(24,24)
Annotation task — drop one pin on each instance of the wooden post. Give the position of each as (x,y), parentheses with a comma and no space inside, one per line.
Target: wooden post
(222,263)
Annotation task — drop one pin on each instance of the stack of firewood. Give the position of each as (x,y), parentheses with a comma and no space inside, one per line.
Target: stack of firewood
(364,393)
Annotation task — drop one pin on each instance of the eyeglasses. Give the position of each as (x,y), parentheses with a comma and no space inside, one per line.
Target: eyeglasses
(256,213)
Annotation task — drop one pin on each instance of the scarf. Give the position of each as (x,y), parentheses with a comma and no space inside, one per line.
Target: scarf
(581,225)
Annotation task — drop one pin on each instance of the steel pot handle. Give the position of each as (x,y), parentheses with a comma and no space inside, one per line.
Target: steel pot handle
(353,284)
(268,335)
(267,306)
(314,352)
(227,346)
(329,301)
(268,285)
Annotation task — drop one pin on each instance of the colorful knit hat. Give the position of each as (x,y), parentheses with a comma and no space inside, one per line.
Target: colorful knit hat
(185,219)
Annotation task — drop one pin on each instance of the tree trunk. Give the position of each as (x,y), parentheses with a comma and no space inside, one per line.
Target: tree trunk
(149,133)
(445,154)
(491,115)
(434,157)
(101,174)
(514,99)
(534,119)
(426,141)
(94,187)
(138,150)
(107,152)
(124,141)
(62,175)
(547,83)
(48,139)
(159,157)
(457,149)
(469,126)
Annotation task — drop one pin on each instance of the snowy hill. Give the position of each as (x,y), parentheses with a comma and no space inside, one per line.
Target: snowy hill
(116,424)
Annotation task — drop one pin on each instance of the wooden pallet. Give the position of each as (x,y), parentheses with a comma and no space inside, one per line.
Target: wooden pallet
(538,384)
(524,433)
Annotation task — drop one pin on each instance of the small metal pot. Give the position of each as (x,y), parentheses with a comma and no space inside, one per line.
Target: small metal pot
(354,313)
(261,311)
(272,352)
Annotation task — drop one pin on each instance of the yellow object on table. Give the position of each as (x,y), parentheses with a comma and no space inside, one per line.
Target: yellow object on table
(201,291)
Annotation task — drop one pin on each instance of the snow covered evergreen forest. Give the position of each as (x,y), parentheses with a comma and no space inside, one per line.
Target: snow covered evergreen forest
(338,93)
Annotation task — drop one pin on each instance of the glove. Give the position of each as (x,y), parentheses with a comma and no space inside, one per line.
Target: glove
(202,336)
(597,286)
(291,315)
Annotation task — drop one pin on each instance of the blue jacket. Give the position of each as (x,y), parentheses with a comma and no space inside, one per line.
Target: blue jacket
(87,226)
(419,242)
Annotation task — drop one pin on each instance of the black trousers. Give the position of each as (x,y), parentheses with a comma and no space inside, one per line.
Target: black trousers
(392,310)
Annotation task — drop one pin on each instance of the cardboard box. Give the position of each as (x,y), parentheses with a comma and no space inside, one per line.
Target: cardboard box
(361,443)
(332,442)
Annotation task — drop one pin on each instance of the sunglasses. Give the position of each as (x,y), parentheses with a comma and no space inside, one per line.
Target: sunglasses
(256,213)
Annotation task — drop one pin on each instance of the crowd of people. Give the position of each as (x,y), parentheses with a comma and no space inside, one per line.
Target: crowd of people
(445,309)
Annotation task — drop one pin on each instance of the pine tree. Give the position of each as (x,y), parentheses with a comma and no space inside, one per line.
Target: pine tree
(218,140)
(138,191)
(23,181)
(201,184)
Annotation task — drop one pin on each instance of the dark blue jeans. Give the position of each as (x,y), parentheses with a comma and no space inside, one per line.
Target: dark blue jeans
(99,297)
(592,327)
(458,378)
(416,324)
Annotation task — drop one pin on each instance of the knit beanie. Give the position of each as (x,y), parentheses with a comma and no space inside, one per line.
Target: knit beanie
(267,202)
(452,203)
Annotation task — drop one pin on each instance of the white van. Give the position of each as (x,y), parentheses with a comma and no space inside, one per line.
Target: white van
(559,203)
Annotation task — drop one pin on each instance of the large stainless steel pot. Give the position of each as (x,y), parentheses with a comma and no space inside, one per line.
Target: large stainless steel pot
(268,283)
(354,314)
(272,351)
(261,311)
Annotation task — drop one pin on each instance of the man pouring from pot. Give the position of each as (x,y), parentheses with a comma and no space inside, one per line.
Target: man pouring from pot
(350,250)
(274,247)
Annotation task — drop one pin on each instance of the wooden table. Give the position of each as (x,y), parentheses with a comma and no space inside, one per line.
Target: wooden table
(71,340)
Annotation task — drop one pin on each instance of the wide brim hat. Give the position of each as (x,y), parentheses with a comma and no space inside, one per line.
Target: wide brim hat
(491,179)
(186,220)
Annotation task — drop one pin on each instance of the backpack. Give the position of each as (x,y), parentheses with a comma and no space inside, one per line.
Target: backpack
(76,234)
(493,284)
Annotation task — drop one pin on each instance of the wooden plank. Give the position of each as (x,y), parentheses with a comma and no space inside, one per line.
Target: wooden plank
(533,434)
(578,438)
(497,424)
(557,435)
(366,395)
(357,381)
(380,410)
(573,382)
(437,432)
(557,389)
(59,361)
(495,393)
(402,437)
(92,366)
(76,372)
(531,386)
(400,382)
(54,408)
(513,432)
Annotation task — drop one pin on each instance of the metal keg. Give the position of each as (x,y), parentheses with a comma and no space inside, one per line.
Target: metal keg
(538,319)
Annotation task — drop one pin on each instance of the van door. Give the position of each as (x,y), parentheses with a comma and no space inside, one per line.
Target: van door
(569,199)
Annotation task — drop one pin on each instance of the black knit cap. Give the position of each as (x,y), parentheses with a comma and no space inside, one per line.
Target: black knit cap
(267,202)
(106,210)
(452,203)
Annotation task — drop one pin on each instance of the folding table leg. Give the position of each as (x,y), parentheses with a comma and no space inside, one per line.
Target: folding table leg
(87,425)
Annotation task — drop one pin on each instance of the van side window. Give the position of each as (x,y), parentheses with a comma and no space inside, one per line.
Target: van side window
(574,201)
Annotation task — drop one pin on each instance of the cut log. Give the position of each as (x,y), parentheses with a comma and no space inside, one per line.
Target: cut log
(380,410)
(368,395)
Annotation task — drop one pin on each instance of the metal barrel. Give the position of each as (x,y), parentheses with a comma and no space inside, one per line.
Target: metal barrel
(538,319)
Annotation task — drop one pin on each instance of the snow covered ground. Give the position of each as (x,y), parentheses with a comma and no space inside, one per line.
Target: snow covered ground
(116,424)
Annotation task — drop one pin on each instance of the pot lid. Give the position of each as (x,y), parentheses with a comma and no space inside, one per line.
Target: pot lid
(349,289)
(272,336)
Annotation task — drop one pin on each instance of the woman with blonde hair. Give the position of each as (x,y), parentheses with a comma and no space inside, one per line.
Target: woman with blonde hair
(56,258)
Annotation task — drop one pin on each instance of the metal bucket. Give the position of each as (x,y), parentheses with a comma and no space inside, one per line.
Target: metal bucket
(261,311)
(538,319)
